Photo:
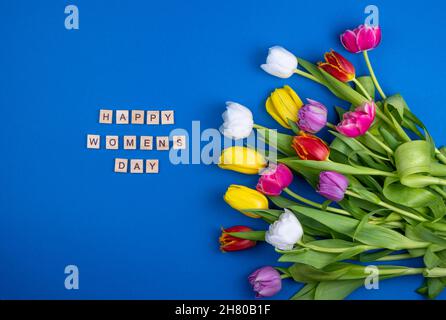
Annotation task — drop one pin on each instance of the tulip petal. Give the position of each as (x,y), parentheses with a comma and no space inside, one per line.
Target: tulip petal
(366,39)
(348,40)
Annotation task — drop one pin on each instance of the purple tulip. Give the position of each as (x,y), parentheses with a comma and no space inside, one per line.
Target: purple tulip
(332,185)
(265,281)
(312,116)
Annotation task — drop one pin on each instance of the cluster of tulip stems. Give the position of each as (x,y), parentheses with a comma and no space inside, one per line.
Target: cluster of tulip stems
(382,175)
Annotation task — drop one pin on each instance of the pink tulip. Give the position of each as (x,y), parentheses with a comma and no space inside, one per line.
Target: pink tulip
(274,179)
(363,38)
(356,123)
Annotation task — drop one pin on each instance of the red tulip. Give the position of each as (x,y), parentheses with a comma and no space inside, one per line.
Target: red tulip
(338,66)
(231,243)
(310,147)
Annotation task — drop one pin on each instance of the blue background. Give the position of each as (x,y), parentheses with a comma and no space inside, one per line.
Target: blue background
(156,236)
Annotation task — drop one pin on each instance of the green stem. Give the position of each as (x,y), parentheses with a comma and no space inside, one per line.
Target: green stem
(394,257)
(435,272)
(332,250)
(315,204)
(306,75)
(440,156)
(257,126)
(379,142)
(372,74)
(364,91)
(389,206)
(284,276)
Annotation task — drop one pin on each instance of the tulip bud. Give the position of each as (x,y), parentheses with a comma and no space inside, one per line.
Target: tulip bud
(238,121)
(312,116)
(356,123)
(363,38)
(242,198)
(242,159)
(274,179)
(231,243)
(310,147)
(332,185)
(285,232)
(283,104)
(280,62)
(265,281)
(338,66)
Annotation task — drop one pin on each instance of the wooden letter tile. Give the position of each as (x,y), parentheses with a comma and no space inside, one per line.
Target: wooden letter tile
(162,143)
(122,116)
(146,143)
(121,165)
(129,142)
(153,117)
(138,116)
(152,166)
(136,166)
(179,142)
(105,116)
(167,117)
(112,142)
(93,141)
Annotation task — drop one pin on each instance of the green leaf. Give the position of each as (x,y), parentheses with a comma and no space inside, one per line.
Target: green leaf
(372,235)
(431,260)
(367,83)
(398,103)
(427,235)
(249,235)
(344,271)
(338,88)
(406,196)
(306,292)
(297,165)
(336,290)
(310,257)
(343,90)
(283,141)
(373,256)
(434,287)
(389,138)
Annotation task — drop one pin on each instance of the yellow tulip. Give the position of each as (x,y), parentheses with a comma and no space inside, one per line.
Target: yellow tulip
(283,105)
(242,159)
(243,198)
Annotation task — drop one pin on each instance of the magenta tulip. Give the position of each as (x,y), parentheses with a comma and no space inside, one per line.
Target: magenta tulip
(265,281)
(363,38)
(312,116)
(356,123)
(274,179)
(332,185)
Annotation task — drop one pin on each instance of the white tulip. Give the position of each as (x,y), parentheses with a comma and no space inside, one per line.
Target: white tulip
(285,232)
(238,121)
(280,62)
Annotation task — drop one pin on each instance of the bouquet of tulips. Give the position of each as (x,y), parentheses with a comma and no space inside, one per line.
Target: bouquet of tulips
(382,175)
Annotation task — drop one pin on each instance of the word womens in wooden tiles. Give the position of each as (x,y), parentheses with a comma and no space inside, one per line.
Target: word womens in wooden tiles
(131,142)
(136,117)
